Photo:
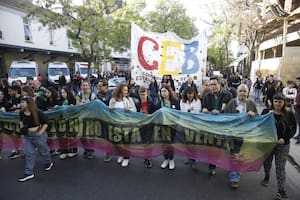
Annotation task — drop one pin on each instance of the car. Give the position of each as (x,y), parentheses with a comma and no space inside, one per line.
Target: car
(114,82)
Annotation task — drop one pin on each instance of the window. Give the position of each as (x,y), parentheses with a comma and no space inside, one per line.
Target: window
(51,37)
(27,31)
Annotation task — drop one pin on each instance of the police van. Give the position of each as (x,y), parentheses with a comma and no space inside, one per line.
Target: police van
(20,70)
(54,69)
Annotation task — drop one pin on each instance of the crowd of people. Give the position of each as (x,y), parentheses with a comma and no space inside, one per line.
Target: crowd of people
(217,95)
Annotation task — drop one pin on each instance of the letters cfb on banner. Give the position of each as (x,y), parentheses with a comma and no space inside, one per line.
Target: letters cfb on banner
(158,54)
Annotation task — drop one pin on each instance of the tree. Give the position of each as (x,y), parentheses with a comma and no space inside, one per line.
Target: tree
(170,15)
(88,25)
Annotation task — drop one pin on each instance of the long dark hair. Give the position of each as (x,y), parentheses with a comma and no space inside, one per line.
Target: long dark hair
(70,97)
(33,109)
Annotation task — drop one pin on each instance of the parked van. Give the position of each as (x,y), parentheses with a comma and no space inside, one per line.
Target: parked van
(55,68)
(19,70)
(82,69)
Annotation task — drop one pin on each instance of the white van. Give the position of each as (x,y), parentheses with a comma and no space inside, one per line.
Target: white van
(82,69)
(19,70)
(54,69)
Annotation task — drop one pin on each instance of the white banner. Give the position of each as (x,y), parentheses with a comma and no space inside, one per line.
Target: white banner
(158,54)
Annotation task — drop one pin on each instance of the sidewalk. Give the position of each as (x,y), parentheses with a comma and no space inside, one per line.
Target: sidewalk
(295,153)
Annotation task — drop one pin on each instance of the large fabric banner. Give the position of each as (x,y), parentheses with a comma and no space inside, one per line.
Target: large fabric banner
(156,54)
(231,141)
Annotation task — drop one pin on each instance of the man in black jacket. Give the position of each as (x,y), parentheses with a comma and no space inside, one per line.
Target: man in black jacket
(214,102)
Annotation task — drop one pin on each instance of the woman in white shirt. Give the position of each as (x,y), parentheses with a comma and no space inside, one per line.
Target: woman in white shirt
(190,103)
(120,99)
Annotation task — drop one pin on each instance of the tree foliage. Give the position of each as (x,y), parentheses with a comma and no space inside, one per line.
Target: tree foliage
(98,27)
(170,15)
(88,25)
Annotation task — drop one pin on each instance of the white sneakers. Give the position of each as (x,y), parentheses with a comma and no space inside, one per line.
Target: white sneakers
(125,163)
(165,163)
(171,164)
(120,159)
(65,155)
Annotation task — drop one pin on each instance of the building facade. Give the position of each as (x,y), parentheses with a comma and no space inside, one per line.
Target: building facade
(277,47)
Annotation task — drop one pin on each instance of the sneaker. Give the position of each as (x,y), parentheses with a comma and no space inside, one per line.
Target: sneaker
(107,158)
(148,163)
(281,195)
(26,177)
(125,162)
(90,156)
(53,152)
(193,165)
(265,182)
(14,155)
(211,171)
(234,185)
(63,156)
(187,161)
(120,159)
(71,155)
(171,164)
(164,164)
(48,166)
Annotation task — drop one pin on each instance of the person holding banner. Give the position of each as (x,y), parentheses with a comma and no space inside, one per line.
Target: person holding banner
(168,100)
(83,97)
(120,99)
(214,102)
(33,125)
(190,103)
(242,105)
(67,98)
(147,105)
(286,128)
(104,95)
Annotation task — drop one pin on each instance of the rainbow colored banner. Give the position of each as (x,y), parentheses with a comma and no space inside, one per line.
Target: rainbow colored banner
(231,141)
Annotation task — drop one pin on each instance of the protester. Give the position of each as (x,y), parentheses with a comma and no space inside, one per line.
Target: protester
(104,95)
(120,99)
(290,93)
(67,98)
(15,106)
(168,100)
(147,105)
(190,103)
(258,85)
(297,109)
(52,98)
(186,84)
(242,105)
(83,97)
(286,127)
(214,102)
(40,95)
(153,88)
(33,124)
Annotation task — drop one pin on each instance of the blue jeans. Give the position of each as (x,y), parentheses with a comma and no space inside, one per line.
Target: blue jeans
(257,95)
(33,141)
(234,176)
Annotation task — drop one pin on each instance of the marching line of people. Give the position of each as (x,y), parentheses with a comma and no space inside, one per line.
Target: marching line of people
(32,99)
